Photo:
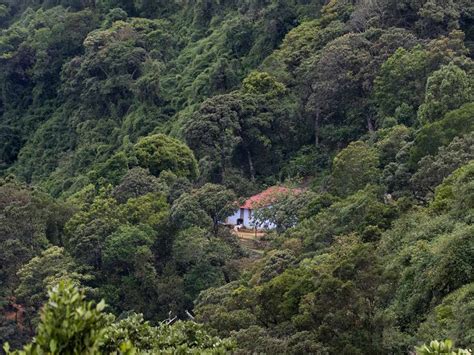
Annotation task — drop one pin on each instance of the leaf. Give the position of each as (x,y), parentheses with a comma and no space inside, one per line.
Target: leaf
(53,345)
(101,305)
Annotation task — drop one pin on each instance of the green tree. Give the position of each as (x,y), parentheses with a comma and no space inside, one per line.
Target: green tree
(363,212)
(88,229)
(160,152)
(41,273)
(432,170)
(207,206)
(353,168)
(137,182)
(253,132)
(455,193)
(108,69)
(122,247)
(441,85)
(336,87)
(29,222)
(286,209)
(343,295)
(262,83)
(111,171)
(439,348)
(451,318)
(130,278)
(69,324)
(32,53)
(440,133)
(200,260)
(150,209)
(337,82)
(401,82)
(187,337)
(186,212)
(213,131)
(298,45)
(218,203)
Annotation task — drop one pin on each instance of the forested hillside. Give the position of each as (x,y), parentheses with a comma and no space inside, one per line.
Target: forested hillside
(130,130)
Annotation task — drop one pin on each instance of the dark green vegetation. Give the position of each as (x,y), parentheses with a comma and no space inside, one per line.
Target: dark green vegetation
(129,128)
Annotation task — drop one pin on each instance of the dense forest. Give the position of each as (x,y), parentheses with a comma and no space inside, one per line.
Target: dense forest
(130,130)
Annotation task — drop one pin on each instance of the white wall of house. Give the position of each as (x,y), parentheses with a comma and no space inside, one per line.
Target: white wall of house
(233,219)
(243,214)
(248,223)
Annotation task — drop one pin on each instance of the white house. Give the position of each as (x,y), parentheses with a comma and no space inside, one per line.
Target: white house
(244,216)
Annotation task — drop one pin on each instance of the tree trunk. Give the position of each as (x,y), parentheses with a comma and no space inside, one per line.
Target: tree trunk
(215,221)
(223,166)
(251,167)
(316,128)
(370,125)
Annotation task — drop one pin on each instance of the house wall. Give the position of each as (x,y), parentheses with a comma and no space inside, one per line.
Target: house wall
(233,219)
(248,223)
(244,214)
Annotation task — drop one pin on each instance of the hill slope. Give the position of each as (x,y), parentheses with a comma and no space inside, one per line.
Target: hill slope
(130,128)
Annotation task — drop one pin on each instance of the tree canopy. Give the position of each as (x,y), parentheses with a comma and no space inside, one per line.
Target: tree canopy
(131,130)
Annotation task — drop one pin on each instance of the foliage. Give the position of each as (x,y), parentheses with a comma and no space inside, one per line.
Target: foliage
(452,318)
(137,182)
(131,129)
(436,347)
(285,211)
(43,272)
(393,86)
(455,192)
(262,84)
(403,77)
(69,324)
(238,129)
(432,170)
(441,133)
(30,221)
(441,85)
(211,203)
(353,168)
(200,260)
(181,337)
(159,153)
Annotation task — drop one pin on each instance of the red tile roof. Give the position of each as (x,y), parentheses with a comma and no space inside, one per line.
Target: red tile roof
(267,197)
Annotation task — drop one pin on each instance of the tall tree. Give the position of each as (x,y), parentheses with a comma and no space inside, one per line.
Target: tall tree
(353,168)
(160,152)
(441,85)
(213,131)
